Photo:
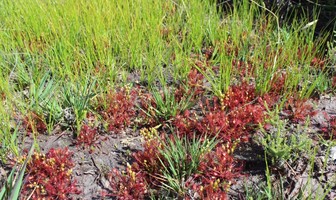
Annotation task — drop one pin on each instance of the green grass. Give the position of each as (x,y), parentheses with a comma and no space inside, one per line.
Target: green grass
(72,39)
(283,145)
(13,185)
(59,54)
(182,158)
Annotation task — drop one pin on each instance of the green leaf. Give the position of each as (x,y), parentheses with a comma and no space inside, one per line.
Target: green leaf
(8,185)
(8,188)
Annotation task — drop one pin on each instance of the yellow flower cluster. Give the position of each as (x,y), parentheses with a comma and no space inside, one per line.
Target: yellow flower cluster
(216,184)
(38,187)
(150,133)
(131,172)
(231,149)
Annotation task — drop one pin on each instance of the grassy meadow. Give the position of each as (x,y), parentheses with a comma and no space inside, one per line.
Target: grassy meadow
(196,80)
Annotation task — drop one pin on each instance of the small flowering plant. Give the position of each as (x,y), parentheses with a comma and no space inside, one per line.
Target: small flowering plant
(120,109)
(232,117)
(127,185)
(49,176)
(87,137)
(176,166)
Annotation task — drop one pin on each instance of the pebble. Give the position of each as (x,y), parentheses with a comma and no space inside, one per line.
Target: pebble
(333,154)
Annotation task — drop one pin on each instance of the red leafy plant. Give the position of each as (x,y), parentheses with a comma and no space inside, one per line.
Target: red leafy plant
(120,109)
(34,123)
(193,86)
(127,185)
(49,176)
(329,130)
(230,118)
(145,176)
(238,95)
(147,109)
(297,110)
(333,126)
(244,68)
(148,161)
(87,137)
(277,87)
(134,183)
(333,82)
(216,173)
(318,63)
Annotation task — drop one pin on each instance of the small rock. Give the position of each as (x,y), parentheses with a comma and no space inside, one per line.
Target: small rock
(333,154)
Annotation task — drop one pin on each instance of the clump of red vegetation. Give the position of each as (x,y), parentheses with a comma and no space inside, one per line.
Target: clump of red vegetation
(87,137)
(148,160)
(147,112)
(333,126)
(34,123)
(297,110)
(329,129)
(244,68)
(139,176)
(193,85)
(135,182)
(216,172)
(318,63)
(49,176)
(120,109)
(333,82)
(230,118)
(129,185)
(276,90)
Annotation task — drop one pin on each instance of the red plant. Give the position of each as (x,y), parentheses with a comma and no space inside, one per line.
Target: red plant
(120,109)
(49,176)
(318,63)
(244,120)
(244,68)
(134,183)
(219,164)
(238,96)
(333,126)
(298,110)
(215,123)
(147,112)
(216,173)
(148,160)
(278,82)
(329,130)
(230,118)
(126,186)
(333,83)
(34,123)
(194,85)
(88,136)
